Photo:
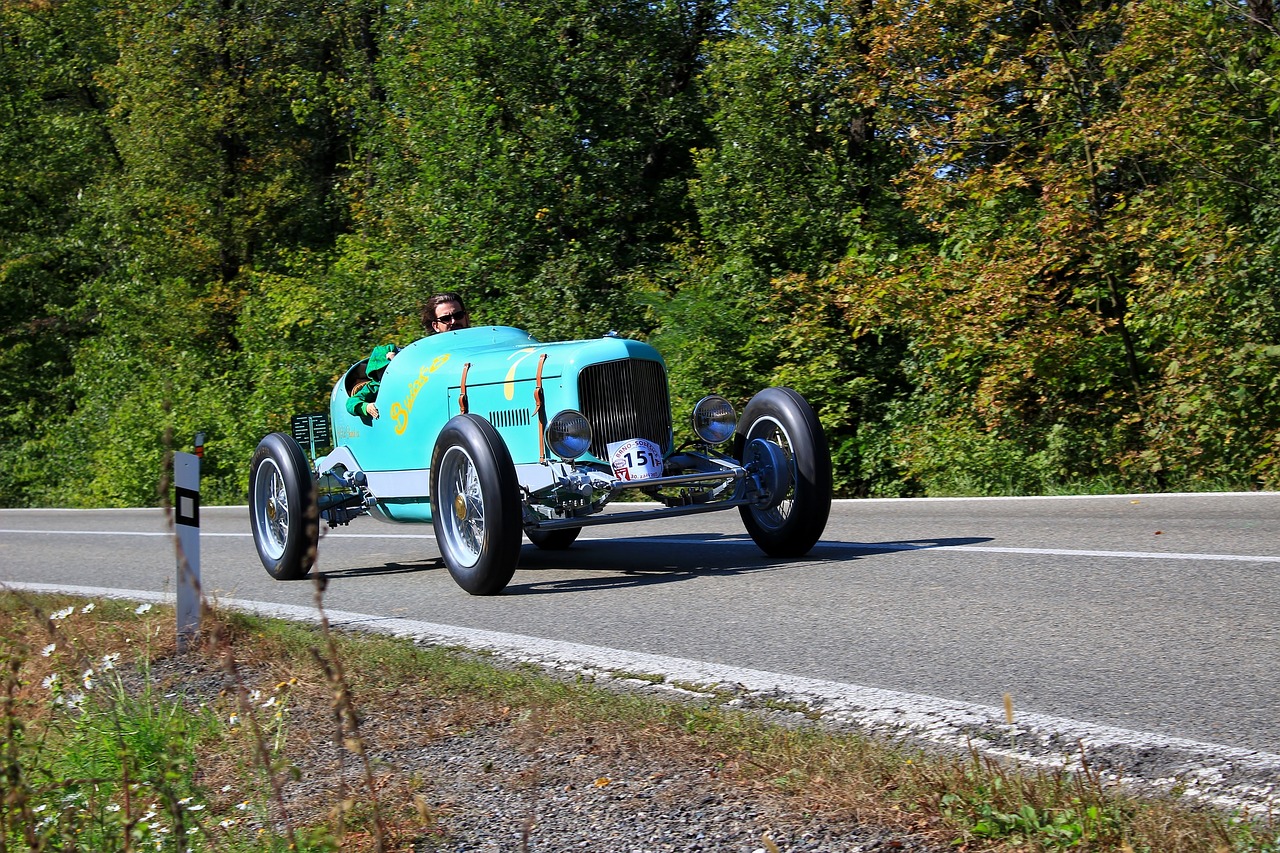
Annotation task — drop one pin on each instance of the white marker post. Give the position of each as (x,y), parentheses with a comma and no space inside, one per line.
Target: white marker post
(186,518)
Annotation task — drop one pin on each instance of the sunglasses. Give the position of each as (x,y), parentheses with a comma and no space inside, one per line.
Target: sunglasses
(451,318)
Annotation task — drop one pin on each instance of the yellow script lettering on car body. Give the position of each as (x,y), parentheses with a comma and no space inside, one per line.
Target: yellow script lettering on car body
(400,410)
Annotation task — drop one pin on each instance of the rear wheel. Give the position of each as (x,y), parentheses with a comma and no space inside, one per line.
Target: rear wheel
(282,507)
(553,540)
(475,505)
(791,523)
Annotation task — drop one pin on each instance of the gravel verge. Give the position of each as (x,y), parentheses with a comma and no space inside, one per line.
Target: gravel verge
(508,782)
(609,799)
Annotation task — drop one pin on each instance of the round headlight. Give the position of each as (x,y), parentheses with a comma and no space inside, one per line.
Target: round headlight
(569,434)
(714,419)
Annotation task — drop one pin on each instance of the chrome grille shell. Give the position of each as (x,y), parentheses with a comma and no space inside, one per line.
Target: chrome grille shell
(625,399)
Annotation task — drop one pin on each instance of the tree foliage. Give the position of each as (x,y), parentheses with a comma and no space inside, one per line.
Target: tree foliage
(531,155)
(1002,247)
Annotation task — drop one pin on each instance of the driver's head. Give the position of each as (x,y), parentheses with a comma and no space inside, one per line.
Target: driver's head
(445,312)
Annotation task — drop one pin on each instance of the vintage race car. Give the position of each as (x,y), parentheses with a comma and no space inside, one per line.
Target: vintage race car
(488,434)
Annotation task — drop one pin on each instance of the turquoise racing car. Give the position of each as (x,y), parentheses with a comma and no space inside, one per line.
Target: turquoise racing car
(490,435)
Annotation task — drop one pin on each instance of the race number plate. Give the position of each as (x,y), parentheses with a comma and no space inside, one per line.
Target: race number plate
(635,459)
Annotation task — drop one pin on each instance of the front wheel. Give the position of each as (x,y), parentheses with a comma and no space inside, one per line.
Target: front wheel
(791,524)
(475,505)
(282,508)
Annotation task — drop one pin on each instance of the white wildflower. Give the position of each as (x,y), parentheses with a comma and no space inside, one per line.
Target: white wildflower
(233,720)
(87,679)
(62,614)
(226,788)
(50,681)
(113,807)
(244,807)
(88,608)
(109,661)
(196,808)
(142,608)
(255,696)
(48,650)
(270,703)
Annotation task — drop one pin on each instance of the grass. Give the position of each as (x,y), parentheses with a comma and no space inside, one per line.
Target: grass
(269,735)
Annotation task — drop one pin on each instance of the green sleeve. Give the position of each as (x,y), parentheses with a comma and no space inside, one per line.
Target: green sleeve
(356,402)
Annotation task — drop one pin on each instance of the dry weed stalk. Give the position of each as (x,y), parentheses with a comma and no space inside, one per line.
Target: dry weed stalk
(346,720)
(222,640)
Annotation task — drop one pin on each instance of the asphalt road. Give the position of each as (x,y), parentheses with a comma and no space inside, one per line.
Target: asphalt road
(1154,613)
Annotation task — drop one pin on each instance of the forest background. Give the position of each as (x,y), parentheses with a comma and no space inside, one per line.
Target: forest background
(1003,246)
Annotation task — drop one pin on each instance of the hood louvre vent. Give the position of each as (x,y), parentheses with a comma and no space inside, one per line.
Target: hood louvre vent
(510,418)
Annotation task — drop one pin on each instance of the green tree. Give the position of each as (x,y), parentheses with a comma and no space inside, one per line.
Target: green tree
(54,145)
(535,154)
(1025,364)
(220,114)
(1200,117)
(797,184)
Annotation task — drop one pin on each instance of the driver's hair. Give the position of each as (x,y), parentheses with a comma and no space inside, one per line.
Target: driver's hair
(429,310)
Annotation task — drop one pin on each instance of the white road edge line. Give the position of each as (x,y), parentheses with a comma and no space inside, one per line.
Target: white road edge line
(886,547)
(1226,776)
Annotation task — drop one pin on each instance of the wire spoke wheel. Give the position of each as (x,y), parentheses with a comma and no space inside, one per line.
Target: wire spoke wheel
(794,524)
(475,505)
(282,510)
(770,430)
(463,506)
(271,505)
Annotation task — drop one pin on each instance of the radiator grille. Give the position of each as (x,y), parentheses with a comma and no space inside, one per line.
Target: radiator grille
(625,399)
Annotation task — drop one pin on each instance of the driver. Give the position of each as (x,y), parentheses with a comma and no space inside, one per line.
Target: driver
(362,401)
(445,312)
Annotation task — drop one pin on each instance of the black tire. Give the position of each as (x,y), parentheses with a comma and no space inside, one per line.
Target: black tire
(282,508)
(795,525)
(475,505)
(553,540)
